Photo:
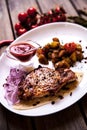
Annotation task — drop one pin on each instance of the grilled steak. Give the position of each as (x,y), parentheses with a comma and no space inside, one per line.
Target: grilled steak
(44,81)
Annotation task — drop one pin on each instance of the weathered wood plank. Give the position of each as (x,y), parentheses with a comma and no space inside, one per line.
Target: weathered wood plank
(3,120)
(83,103)
(46,5)
(69,119)
(17,122)
(80,5)
(5,26)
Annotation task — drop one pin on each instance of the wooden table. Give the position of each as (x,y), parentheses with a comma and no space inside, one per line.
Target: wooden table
(72,118)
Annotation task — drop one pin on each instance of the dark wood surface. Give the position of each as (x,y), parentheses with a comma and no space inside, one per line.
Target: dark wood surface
(72,118)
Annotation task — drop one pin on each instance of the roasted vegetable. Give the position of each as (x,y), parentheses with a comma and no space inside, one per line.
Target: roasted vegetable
(54,44)
(55,39)
(62,64)
(73,57)
(61,53)
(79,55)
(62,56)
(43,59)
(78,47)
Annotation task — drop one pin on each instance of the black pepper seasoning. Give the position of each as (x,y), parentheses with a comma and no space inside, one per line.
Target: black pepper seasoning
(71,94)
(53,102)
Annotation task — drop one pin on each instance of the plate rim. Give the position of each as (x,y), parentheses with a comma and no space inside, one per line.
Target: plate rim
(20,37)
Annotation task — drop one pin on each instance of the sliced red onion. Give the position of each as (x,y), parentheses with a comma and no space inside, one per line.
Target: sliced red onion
(11,85)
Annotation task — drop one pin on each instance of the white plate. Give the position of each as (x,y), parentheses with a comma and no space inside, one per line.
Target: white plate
(66,32)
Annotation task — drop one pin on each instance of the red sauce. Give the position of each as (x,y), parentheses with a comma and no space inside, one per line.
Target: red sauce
(23,51)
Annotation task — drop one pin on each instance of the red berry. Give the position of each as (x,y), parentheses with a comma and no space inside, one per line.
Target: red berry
(54,19)
(57,10)
(34,26)
(62,10)
(63,17)
(21,31)
(32,19)
(28,21)
(50,12)
(31,12)
(18,26)
(59,18)
(22,17)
